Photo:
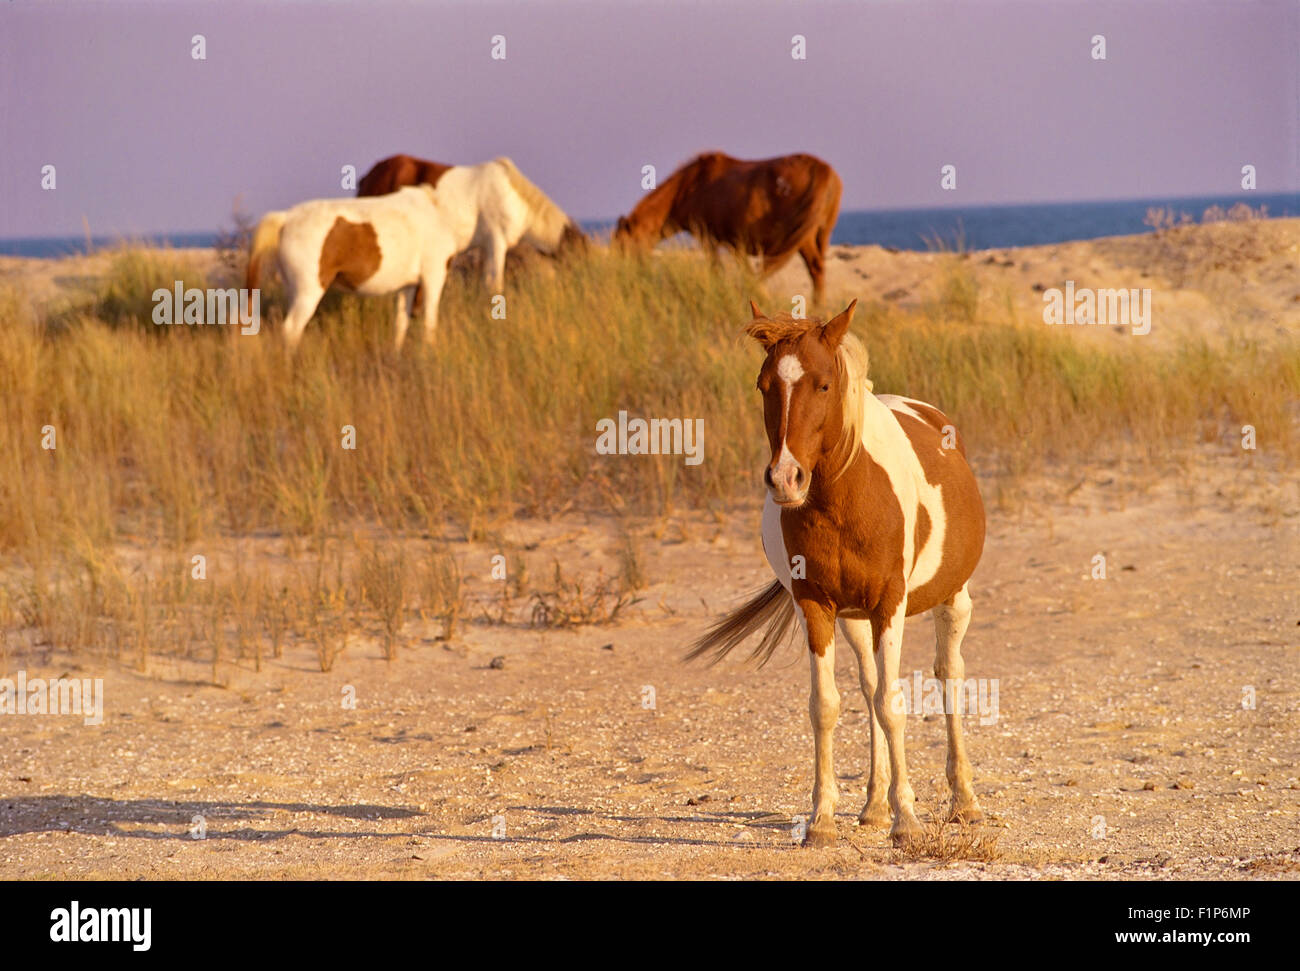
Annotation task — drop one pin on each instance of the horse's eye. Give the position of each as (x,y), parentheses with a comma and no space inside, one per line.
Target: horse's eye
(825,387)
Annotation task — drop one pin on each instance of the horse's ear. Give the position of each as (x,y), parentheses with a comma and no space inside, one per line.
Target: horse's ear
(834,332)
(753,309)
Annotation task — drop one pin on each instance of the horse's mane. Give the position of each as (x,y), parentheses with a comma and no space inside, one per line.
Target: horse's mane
(549,220)
(851,359)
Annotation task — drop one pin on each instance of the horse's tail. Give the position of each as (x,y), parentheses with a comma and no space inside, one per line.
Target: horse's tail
(266,239)
(771,610)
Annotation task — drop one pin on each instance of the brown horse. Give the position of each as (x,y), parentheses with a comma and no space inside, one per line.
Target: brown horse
(390,174)
(772,208)
(872,515)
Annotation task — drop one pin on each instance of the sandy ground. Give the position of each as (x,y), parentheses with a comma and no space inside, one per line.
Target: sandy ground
(1205,280)
(1121,747)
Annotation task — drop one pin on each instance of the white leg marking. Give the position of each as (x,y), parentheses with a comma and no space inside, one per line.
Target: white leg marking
(301,309)
(858,634)
(889,711)
(950,622)
(494,264)
(824,708)
(434,275)
(405,301)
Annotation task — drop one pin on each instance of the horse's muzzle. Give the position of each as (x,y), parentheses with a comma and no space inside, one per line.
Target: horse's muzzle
(788,482)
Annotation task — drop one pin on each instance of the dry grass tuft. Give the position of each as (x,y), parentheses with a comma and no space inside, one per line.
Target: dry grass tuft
(948,842)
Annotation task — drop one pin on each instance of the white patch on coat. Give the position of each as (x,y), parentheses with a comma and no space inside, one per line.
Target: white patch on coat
(904,405)
(777,555)
(885,441)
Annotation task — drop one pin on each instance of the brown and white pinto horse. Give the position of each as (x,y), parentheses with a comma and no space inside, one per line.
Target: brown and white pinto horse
(397,171)
(772,208)
(869,519)
(397,242)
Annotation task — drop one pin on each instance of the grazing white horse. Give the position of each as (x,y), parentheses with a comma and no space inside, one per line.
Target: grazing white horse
(396,242)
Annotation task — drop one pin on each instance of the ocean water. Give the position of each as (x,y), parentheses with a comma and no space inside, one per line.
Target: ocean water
(970,227)
(991,227)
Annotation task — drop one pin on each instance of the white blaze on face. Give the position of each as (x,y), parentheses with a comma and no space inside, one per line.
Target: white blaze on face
(789,369)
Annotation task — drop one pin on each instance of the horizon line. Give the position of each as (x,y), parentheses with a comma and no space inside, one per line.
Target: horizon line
(1239,196)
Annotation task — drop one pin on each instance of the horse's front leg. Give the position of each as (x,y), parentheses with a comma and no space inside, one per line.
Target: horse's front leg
(494,263)
(402,319)
(824,708)
(431,281)
(889,713)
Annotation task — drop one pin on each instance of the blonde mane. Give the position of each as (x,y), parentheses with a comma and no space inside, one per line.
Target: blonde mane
(549,220)
(852,360)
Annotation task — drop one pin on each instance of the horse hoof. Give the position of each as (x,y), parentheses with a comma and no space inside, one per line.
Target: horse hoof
(971,815)
(906,833)
(874,816)
(820,839)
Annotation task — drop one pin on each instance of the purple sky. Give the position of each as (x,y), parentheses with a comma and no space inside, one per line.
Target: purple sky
(146,139)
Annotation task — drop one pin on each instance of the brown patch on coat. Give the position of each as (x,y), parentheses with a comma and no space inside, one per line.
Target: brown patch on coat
(854,562)
(350,254)
(922,532)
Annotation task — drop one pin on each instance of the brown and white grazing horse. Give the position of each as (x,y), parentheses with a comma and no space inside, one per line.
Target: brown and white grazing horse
(396,242)
(771,208)
(392,173)
(869,519)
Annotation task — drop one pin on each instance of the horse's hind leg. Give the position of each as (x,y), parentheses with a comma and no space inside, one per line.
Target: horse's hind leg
(303,304)
(435,274)
(889,712)
(876,811)
(951,618)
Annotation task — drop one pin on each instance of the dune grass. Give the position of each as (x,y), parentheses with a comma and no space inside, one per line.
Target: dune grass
(178,436)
